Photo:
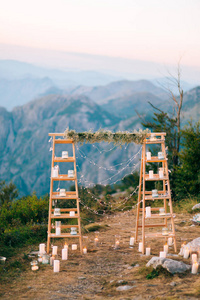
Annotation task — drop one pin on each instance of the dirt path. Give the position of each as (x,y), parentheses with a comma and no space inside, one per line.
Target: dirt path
(98,274)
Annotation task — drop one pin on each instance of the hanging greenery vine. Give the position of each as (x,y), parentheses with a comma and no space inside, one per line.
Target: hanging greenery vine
(118,138)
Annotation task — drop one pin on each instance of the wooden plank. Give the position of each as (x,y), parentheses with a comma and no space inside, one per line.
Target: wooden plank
(62,141)
(65,209)
(156,216)
(64,177)
(155,159)
(152,225)
(155,177)
(65,226)
(65,216)
(64,235)
(60,159)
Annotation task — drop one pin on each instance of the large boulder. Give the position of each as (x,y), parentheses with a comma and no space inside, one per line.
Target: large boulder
(170,265)
(193,246)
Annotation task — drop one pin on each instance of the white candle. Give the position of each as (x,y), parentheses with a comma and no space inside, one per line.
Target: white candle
(161,173)
(186,253)
(195,267)
(148,155)
(34,268)
(194,257)
(170,241)
(140,247)
(64,254)
(163,254)
(72,213)
(65,246)
(42,248)
(70,173)
(54,250)
(182,249)
(74,247)
(58,231)
(148,211)
(132,240)
(84,250)
(151,174)
(148,251)
(56,266)
(166,248)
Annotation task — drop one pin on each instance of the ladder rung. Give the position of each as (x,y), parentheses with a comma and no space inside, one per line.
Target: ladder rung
(158,141)
(66,226)
(155,159)
(152,208)
(155,177)
(156,216)
(64,216)
(62,141)
(159,197)
(66,209)
(153,225)
(63,235)
(63,177)
(69,196)
(60,159)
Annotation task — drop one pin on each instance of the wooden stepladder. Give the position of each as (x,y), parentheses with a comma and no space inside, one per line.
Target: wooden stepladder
(65,213)
(160,216)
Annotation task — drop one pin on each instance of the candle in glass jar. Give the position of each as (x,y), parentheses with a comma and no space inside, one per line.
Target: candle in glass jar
(84,250)
(52,258)
(56,266)
(40,258)
(96,242)
(195,267)
(140,247)
(34,266)
(54,250)
(161,173)
(162,254)
(148,251)
(170,241)
(64,254)
(166,248)
(74,247)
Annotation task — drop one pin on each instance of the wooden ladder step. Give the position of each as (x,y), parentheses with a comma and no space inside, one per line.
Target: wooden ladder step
(60,159)
(152,225)
(64,235)
(63,177)
(65,216)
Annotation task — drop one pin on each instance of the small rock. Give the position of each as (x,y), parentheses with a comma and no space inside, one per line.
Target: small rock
(29,287)
(137,265)
(196,206)
(124,288)
(129,268)
(111,281)
(81,278)
(173,283)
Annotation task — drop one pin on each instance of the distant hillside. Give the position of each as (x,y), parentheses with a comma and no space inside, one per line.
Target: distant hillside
(20,91)
(127,106)
(119,89)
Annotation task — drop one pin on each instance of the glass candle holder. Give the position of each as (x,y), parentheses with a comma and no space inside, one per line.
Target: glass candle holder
(73,231)
(2,260)
(117,241)
(85,244)
(96,238)
(56,211)
(62,193)
(154,193)
(58,227)
(64,154)
(34,265)
(165,231)
(70,173)
(161,173)
(45,259)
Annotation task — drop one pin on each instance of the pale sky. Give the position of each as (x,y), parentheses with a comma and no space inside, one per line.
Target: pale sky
(151,30)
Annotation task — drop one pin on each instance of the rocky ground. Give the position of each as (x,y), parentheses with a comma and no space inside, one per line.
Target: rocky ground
(106,273)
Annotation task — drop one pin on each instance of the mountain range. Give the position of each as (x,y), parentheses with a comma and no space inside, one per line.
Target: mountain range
(25,157)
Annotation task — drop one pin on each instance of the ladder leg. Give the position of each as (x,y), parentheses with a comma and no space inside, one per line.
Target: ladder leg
(139,199)
(143,198)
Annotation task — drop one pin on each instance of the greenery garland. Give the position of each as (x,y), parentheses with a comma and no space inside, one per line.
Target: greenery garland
(118,138)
